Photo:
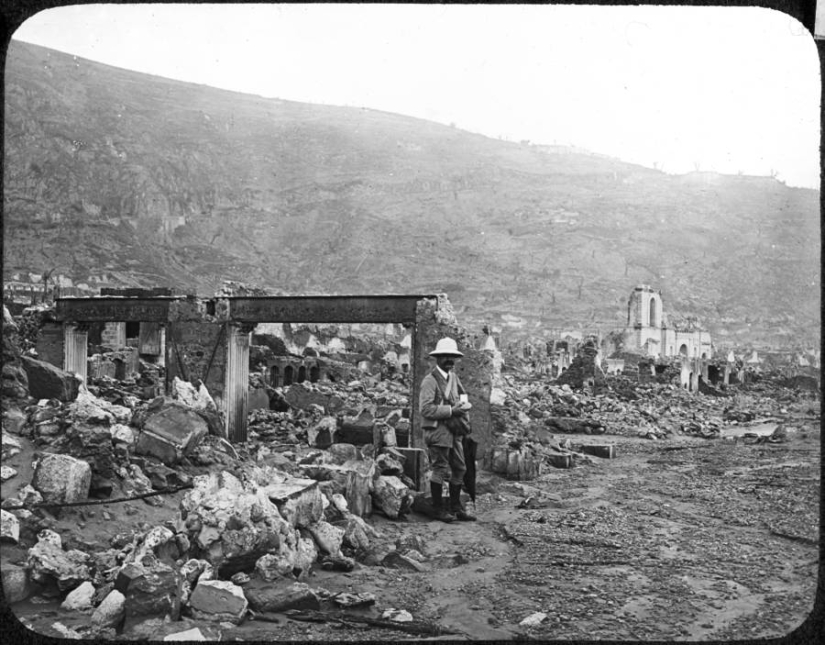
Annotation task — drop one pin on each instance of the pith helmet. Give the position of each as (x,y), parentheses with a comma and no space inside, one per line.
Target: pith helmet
(446,347)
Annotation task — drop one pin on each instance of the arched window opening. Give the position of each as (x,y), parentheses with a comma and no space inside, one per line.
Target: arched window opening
(314,373)
(288,374)
(302,374)
(275,376)
(653,315)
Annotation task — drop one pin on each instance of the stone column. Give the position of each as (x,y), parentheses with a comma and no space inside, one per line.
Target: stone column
(236,391)
(75,350)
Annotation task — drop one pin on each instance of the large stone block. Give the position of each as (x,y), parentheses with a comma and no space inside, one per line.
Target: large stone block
(266,597)
(62,478)
(169,430)
(79,599)
(148,590)
(392,496)
(9,527)
(110,612)
(327,537)
(16,583)
(218,601)
(48,562)
(49,382)
(298,501)
(353,480)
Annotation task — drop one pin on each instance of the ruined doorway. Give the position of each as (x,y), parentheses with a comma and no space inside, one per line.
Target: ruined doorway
(683,349)
(314,374)
(275,376)
(288,375)
(302,373)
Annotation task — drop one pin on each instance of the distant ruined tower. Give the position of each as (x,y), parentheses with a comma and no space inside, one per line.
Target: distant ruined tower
(645,319)
(649,332)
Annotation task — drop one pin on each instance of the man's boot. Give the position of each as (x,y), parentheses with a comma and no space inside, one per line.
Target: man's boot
(455,505)
(441,513)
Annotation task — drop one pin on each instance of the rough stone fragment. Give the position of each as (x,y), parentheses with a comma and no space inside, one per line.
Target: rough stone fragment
(392,496)
(201,401)
(148,589)
(123,434)
(16,584)
(306,553)
(343,452)
(268,597)
(10,446)
(327,537)
(62,478)
(606,451)
(80,599)
(88,408)
(193,634)
(218,601)
(9,527)
(14,421)
(49,382)
(110,612)
(534,619)
(47,562)
(231,522)
(7,472)
(298,500)
(397,615)
(397,560)
(354,480)
(355,535)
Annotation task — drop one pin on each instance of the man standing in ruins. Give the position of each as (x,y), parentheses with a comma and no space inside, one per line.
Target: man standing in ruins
(444,406)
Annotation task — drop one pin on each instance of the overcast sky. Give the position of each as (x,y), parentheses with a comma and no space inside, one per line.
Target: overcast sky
(710,88)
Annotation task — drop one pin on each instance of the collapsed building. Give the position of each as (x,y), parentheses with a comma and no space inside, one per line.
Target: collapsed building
(649,331)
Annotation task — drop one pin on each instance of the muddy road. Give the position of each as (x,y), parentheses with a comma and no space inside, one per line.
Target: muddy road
(684,539)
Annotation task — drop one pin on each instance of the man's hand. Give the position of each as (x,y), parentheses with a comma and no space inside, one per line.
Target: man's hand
(460,409)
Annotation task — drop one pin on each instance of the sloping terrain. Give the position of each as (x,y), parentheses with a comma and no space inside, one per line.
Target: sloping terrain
(152,182)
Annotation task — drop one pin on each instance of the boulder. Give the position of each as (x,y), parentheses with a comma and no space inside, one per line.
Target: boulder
(391,496)
(16,583)
(306,553)
(327,537)
(201,401)
(265,597)
(397,560)
(9,527)
(89,409)
(49,382)
(10,446)
(7,472)
(343,452)
(110,612)
(47,562)
(218,601)
(233,522)
(169,430)
(298,501)
(62,478)
(14,421)
(79,599)
(356,535)
(148,588)
(353,480)
(388,464)
(92,444)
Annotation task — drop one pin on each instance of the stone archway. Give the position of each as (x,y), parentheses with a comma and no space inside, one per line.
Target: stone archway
(683,349)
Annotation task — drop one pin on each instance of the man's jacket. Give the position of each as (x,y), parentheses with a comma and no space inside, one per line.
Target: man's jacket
(435,407)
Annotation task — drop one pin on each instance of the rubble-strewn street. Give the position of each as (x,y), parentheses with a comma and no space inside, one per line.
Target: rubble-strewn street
(616,510)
